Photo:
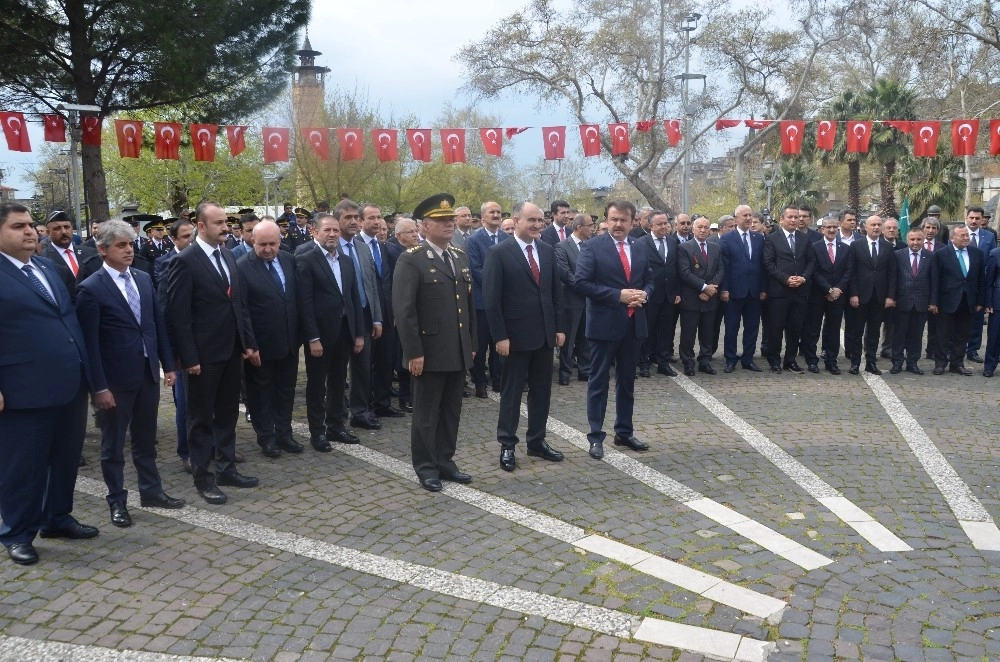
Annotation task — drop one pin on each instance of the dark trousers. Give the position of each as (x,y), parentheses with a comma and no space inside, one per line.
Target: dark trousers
(180,413)
(534,368)
(484,347)
(361,371)
(213,406)
(137,409)
(907,334)
(271,396)
(325,379)
(671,314)
(976,333)
(824,319)
(437,411)
(786,317)
(720,314)
(743,312)
(624,354)
(382,353)
(865,324)
(888,328)
(959,323)
(575,353)
(40,451)
(402,374)
(992,355)
(701,323)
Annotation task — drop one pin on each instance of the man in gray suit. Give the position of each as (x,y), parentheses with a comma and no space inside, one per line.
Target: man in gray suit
(463,227)
(575,352)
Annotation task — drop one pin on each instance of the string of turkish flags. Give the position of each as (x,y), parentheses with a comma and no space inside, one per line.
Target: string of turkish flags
(276,140)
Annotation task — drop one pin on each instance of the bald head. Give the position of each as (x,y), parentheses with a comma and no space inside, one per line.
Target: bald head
(266,240)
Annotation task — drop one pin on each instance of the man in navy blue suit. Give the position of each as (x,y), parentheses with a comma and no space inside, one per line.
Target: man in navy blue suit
(913,293)
(833,274)
(985,241)
(744,286)
(992,357)
(476,246)
(959,292)
(43,394)
(126,339)
(617,281)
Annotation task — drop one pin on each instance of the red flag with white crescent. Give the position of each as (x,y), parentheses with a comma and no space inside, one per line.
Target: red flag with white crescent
(237,139)
(386,144)
(352,147)
(590,136)
(620,143)
(905,126)
(203,141)
(791,136)
(90,130)
(492,141)
(55,128)
(453,145)
(673,131)
(726,124)
(15,131)
(758,124)
(995,137)
(925,137)
(275,144)
(319,140)
(554,139)
(645,126)
(858,136)
(168,140)
(510,132)
(420,143)
(964,134)
(826,134)
(129,133)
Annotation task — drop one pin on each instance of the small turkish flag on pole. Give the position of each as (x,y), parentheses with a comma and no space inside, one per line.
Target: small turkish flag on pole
(964,134)
(90,133)
(620,143)
(386,146)
(129,133)
(673,130)
(492,142)
(237,139)
(453,145)
(55,128)
(554,138)
(995,137)
(590,136)
(791,136)
(203,141)
(319,140)
(858,135)
(275,144)
(925,137)
(352,147)
(168,140)
(420,143)
(15,131)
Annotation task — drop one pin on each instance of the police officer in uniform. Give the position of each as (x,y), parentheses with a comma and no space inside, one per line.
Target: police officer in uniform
(158,244)
(432,299)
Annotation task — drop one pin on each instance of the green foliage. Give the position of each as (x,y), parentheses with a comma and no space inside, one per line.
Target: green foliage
(932,181)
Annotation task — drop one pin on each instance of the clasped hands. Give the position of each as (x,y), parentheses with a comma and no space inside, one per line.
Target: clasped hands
(633,298)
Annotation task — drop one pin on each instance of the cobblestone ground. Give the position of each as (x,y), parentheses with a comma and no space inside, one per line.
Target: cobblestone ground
(176,586)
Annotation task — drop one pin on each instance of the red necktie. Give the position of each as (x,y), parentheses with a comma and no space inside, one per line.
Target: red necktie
(72,262)
(916,262)
(562,233)
(829,251)
(704,253)
(534,266)
(930,245)
(628,269)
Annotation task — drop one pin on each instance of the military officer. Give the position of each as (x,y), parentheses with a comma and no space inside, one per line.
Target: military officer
(436,332)
(158,244)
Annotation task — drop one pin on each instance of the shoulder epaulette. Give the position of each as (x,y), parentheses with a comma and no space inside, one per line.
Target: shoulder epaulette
(413,249)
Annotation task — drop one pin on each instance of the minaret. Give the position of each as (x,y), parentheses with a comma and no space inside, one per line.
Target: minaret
(308,98)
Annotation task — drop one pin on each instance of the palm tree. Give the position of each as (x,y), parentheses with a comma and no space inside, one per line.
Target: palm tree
(889,99)
(847,106)
(794,184)
(931,181)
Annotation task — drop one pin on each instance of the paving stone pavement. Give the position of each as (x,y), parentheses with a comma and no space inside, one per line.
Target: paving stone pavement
(168,588)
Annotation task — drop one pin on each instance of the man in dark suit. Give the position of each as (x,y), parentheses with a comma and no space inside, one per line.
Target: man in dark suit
(478,244)
(43,394)
(61,249)
(960,293)
(661,313)
(700,271)
(992,356)
(743,288)
(560,229)
(913,293)
(931,227)
(157,243)
(272,302)
(615,276)
(890,233)
(872,279)
(834,268)
(790,262)
(333,328)
(127,342)
(247,223)
(407,236)
(575,353)
(985,241)
(524,306)
(433,301)
(212,334)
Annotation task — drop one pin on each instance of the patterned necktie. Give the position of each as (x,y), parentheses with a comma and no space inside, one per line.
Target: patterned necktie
(37,282)
(377,256)
(930,245)
(628,269)
(704,252)
(829,251)
(269,264)
(746,244)
(132,296)
(562,233)
(663,248)
(791,241)
(535,273)
(915,258)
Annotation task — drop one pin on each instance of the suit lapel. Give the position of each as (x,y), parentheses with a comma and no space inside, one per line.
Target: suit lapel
(116,294)
(23,279)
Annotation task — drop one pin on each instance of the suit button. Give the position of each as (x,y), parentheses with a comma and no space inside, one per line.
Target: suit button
(456,297)
(459,311)
(460,325)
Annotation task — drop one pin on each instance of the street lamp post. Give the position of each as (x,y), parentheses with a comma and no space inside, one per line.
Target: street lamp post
(689,25)
(768,175)
(69,195)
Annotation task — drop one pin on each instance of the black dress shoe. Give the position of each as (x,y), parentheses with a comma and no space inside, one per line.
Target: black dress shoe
(855,368)
(915,369)
(564,381)
(236,479)
(707,369)
(583,378)
(794,367)
(833,368)
(74,531)
(644,372)
(320,444)
(342,437)
(456,477)
(22,553)
(666,369)
(212,494)
(406,406)
(987,373)
(752,367)
(729,368)
(186,463)
(872,368)
(546,452)
(960,370)
(507,461)
(689,370)
(938,370)
(481,390)
(896,368)
(431,484)
(391,412)
(813,368)
(596,450)
(495,388)
(270,449)
(290,445)
(161,500)
(466,393)
(974,357)
(366,422)
(776,370)
(120,516)
(631,442)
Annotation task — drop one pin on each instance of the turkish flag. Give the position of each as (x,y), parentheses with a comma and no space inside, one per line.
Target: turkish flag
(237,139)
(513,131)
(791,136)
(386,146)
(619,138)
(590,136)
(673,131)
(55,128)
(826,134)
(900,125)
(644,126)
(352,148)
(554,139)
(15,131)
(129,134)
(994,137)
(319,140)
(925,137)
(203,141)
(492,142)
(453,145)
(275,144)
(420,143)
(758,124)
(90,133)
(726,124)
(858,135)
(964,134)
(168,140)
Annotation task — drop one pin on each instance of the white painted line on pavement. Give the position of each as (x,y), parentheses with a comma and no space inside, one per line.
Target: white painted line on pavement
(19,648)
(561,610)
(865,525)
(974,518)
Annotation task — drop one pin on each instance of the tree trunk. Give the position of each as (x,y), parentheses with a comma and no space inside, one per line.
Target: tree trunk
(854,185)
(94,182)
(888,191)
(653,197)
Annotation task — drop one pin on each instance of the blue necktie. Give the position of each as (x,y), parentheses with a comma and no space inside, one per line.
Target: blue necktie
(37,282)
(377,255)
(961,261)
(358,274)
(132,296)
(269,264)
(746,245)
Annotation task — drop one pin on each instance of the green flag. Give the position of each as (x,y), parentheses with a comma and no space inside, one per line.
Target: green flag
(904,218)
